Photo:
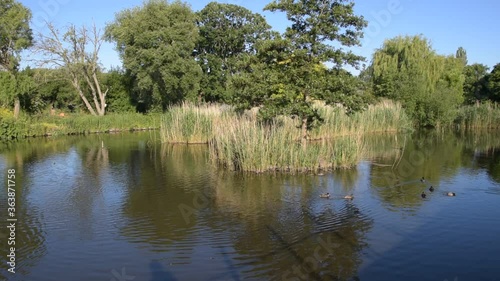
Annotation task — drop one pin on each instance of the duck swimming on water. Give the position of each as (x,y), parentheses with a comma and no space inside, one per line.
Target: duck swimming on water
(431,189)
(423,194)
(324,195)
(451,194)
(350,197)
(422,179)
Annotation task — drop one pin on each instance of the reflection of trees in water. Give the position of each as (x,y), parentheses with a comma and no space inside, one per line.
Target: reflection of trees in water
(30,247)
(435,155)
(87,186)
(490,160)
(167,177)
(279,222)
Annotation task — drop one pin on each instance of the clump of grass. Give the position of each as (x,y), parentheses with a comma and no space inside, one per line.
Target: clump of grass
(247,145)
(189,123)
(479,116)
(385,116)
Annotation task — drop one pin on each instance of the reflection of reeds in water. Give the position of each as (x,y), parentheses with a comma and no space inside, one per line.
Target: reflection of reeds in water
(187,161)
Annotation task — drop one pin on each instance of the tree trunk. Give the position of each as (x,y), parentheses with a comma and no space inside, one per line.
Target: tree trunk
(17,107)
(304,132)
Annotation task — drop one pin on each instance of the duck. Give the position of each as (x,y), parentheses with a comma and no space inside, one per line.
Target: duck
(423,194)
(324,195)
(422,179)
(451,194)
(349,197)
(431,189)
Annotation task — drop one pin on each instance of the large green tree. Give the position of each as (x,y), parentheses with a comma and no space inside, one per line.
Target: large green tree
(429,85)
(156,43)
(15,33)
(475,83)
(15,36)
(292,72)
(227,32)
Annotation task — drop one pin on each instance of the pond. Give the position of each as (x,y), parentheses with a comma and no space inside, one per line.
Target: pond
(124,207)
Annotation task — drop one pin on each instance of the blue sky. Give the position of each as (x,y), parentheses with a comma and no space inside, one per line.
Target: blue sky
(448,24)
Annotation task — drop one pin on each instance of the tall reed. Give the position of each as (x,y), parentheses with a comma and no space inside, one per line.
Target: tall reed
(385,116)
(247,145)
(189,123)
(479,116)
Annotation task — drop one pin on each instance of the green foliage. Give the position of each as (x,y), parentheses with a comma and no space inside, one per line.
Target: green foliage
(288,73)
(8,88)
(475,83)
(15,33)
(226,32)
(462,55)
(75,124)
(429,86)
(9,129)
(155,43)
(119,91)
(494,83)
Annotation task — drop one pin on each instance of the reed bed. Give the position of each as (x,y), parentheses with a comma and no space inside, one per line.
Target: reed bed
(247,145)
(241,142)
(479,116)
(192,124)
(385,116)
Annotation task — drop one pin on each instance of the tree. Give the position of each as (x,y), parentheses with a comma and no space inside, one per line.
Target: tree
(15,36)
(462,55)
(296,74)
(15,33)
(226,32)
(119,84)
(494,83)
(475,83)
(70,52)
(430,86)
(156,43)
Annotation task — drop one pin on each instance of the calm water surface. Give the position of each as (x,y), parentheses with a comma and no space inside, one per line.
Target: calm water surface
(123,207)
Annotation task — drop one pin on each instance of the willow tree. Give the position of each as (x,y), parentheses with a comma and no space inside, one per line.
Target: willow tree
(429,85)
(306,46)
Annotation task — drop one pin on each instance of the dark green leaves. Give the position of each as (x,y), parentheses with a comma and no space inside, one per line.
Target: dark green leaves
(15,33)
(156,43)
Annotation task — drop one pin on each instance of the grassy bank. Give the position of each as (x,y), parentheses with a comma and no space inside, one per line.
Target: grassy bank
(240,142)
(33,126)
(478,116)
